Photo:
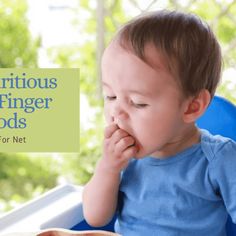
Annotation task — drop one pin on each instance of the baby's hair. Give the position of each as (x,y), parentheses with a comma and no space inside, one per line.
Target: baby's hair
(189,46)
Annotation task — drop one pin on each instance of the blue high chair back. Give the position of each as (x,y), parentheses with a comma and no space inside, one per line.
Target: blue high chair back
(220,118)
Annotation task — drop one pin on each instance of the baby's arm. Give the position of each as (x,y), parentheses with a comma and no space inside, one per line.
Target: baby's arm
(101,192)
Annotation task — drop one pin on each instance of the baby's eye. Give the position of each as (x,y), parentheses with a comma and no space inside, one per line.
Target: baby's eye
(139,105)
(110,98)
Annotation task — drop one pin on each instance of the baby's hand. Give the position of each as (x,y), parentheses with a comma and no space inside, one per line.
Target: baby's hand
(119,147)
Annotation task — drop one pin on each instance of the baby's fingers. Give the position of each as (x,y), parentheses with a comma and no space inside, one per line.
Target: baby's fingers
(109,130)
(129,153)
(123,144)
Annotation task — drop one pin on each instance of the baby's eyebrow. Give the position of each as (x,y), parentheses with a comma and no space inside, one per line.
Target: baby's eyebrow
(142,93)
(132,91)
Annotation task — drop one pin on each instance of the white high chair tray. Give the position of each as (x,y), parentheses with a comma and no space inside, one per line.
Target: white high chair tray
(59,207)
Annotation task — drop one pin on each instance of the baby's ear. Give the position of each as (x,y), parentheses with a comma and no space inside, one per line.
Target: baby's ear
(196,106)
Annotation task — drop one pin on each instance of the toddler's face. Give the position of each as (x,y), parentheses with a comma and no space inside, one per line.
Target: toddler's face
(143,101)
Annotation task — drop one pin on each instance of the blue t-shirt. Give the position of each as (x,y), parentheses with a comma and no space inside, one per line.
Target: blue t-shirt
(190,193)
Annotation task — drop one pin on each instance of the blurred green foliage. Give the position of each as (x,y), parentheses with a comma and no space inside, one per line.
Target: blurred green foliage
(23,177)
(17,49)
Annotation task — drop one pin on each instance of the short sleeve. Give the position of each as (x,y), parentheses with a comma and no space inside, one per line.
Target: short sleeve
(223,176)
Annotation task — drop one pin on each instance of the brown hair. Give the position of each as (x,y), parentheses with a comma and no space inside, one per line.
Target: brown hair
(190,47)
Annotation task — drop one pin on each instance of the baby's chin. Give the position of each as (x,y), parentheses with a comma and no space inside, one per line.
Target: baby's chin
(138,157)
(140,154)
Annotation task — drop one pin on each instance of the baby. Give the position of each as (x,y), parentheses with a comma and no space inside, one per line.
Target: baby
(159,172)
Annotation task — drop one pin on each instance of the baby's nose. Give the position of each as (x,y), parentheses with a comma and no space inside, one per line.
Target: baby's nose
(119,113)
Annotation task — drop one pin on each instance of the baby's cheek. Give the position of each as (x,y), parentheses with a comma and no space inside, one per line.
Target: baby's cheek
(109,119)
